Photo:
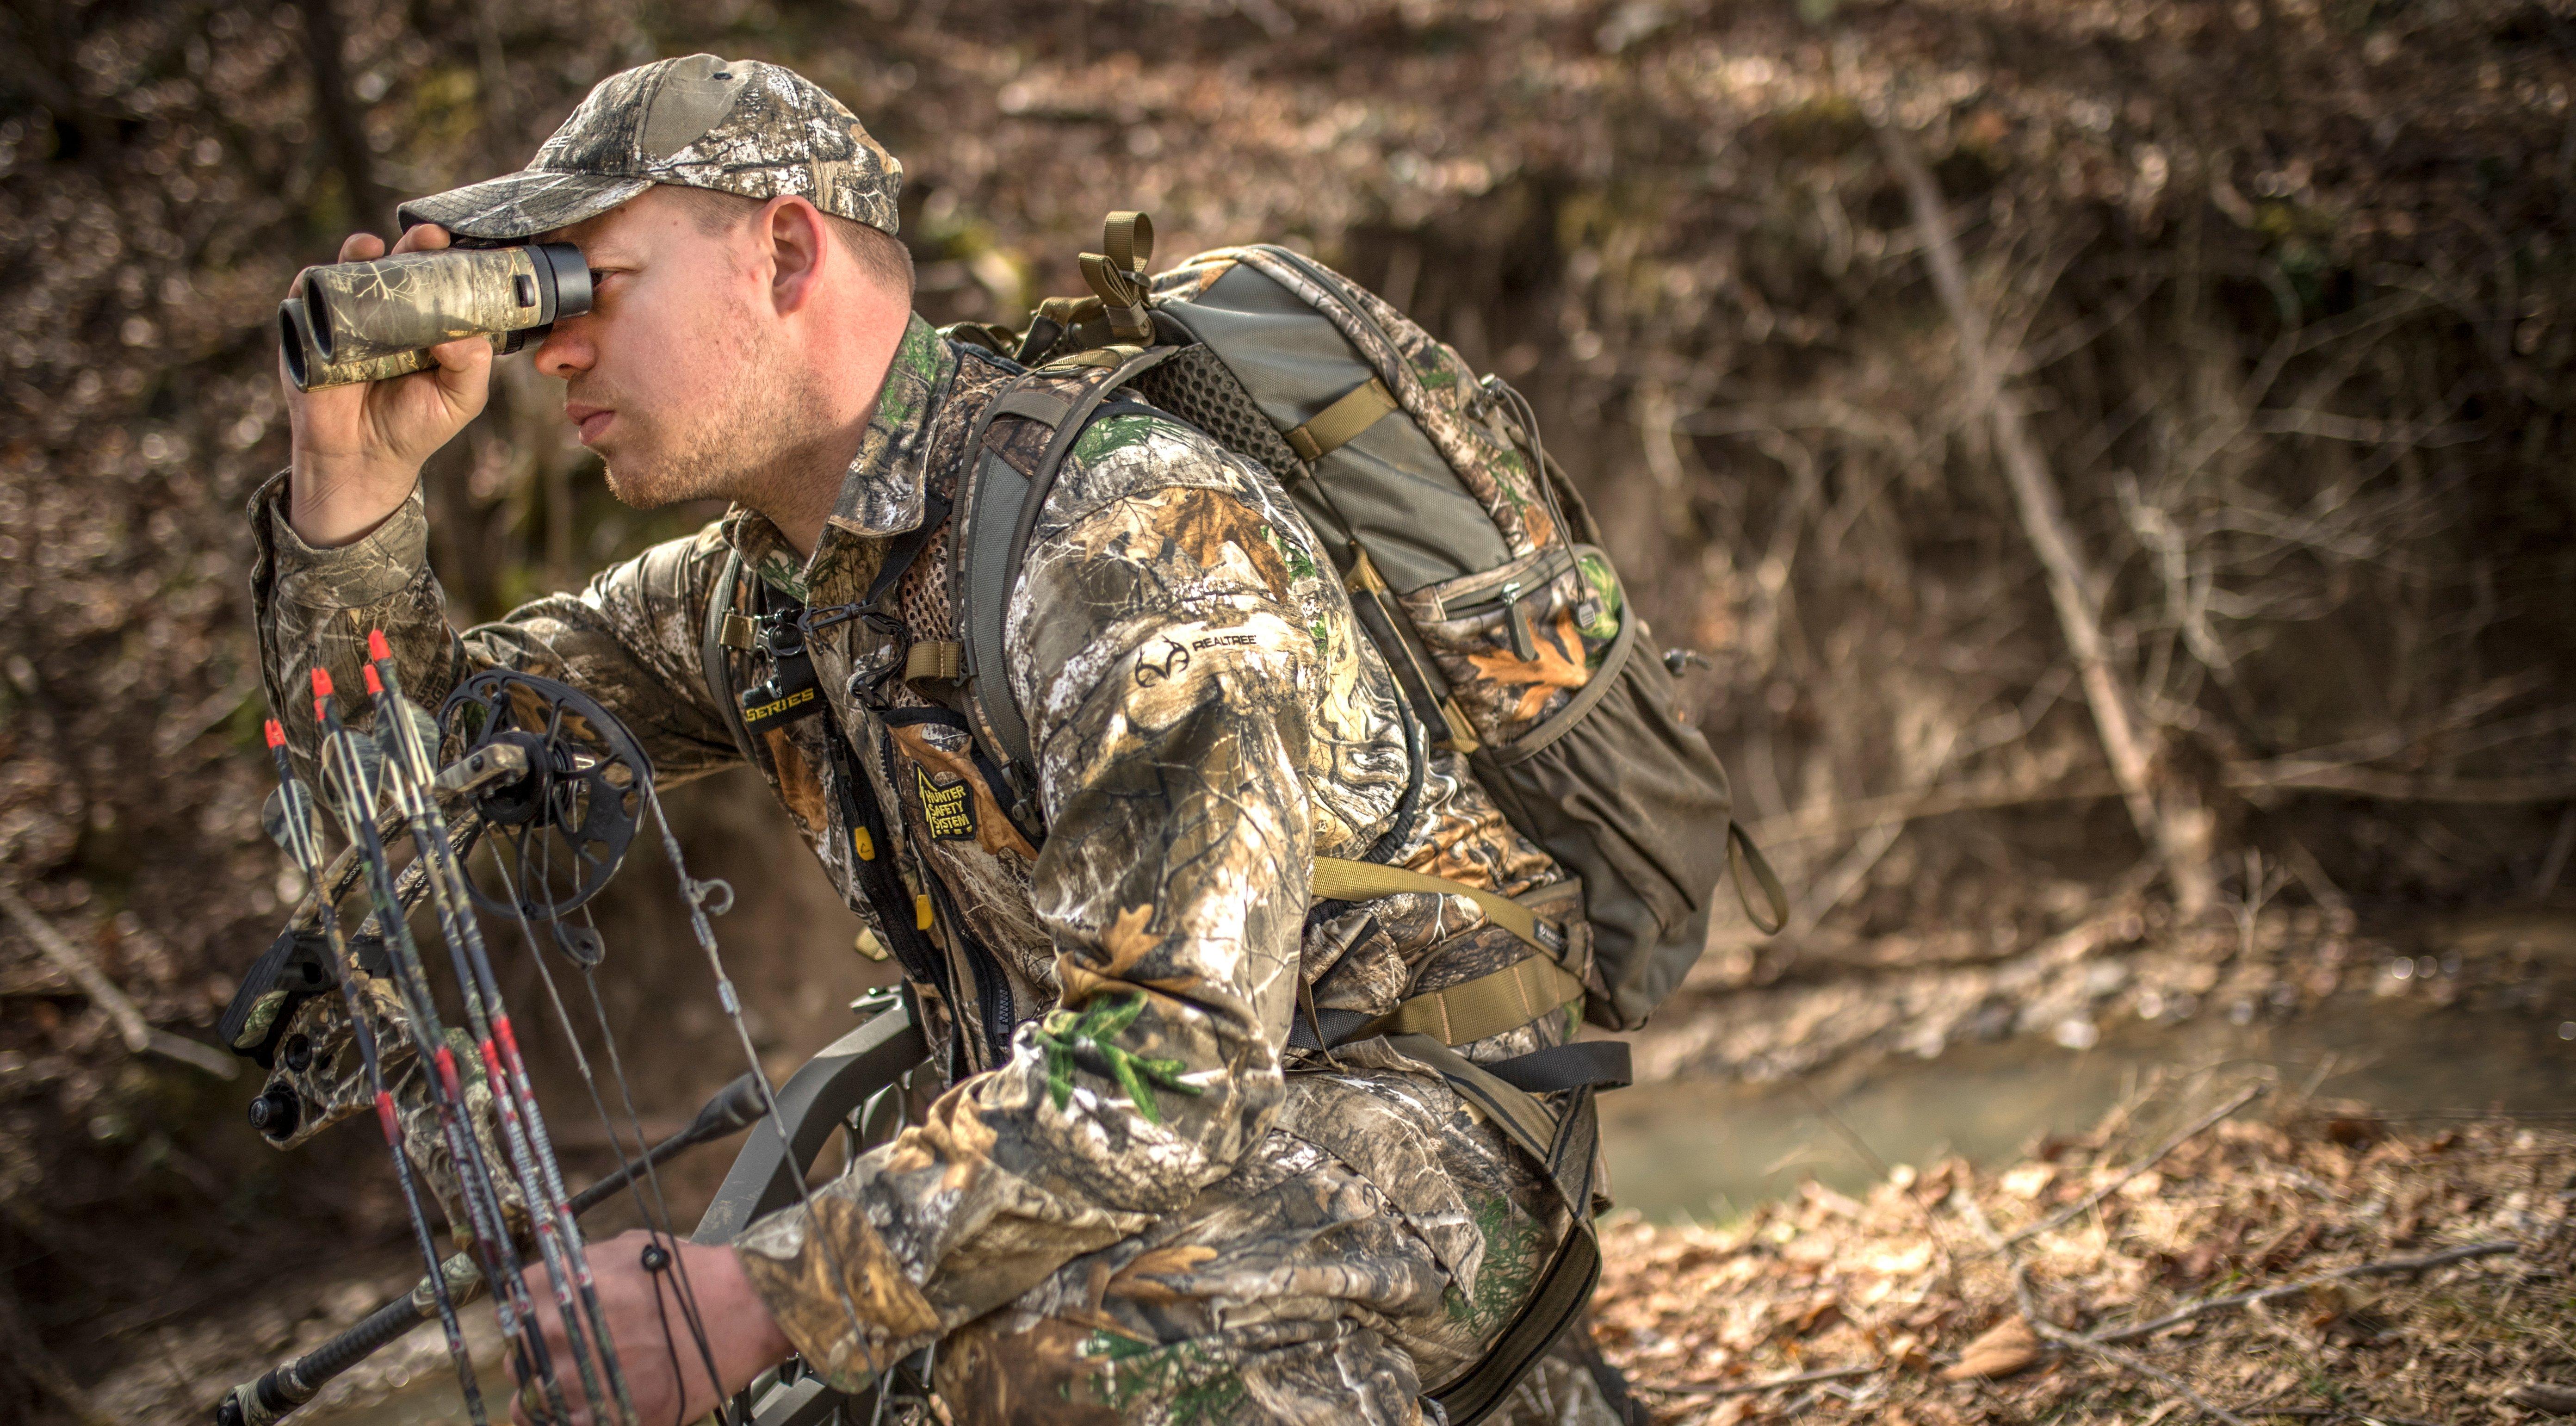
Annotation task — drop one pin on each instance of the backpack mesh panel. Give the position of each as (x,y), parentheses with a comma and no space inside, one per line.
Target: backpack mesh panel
(1194,384)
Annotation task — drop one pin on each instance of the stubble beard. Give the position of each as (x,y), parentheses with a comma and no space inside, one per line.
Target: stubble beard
(753,425)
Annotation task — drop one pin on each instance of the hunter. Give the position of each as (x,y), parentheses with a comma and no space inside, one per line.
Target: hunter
(1135,1201)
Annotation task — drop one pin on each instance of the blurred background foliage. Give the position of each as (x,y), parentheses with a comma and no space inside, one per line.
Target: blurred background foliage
(2277,293)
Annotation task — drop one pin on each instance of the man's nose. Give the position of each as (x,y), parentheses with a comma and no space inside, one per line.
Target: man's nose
(567,350)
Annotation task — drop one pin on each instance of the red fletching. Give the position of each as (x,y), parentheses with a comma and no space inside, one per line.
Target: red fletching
(276,732)
(321,683)
(509,1042)
(375,685)
(377,649)
(385,1116)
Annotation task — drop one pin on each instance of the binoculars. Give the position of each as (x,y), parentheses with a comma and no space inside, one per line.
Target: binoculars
(368,321)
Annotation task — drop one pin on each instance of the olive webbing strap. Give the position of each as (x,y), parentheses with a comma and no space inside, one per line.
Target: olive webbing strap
(1742,854)
(1518,994)
(1340,423)
(1341,879)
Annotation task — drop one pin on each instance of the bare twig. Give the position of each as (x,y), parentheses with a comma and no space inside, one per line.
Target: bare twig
(2385,1267)
(1880,1167)
(2130,1361)
(2340,1414)
(1984,794)
(138,1034)
(1747,1388)
(2077,1341)
(2085,1205)
(2407,787)
(1990,794)
(2553,863)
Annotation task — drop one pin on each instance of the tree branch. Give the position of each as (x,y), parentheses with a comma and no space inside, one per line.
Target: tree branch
(139,1035)
(2167,813)
(1747,1388)
(2386,1267)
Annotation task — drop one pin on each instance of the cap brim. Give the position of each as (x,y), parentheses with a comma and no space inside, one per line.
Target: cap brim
(521,205)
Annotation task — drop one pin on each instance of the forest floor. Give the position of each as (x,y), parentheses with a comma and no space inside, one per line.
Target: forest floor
(1887,1279)
(1949,1295)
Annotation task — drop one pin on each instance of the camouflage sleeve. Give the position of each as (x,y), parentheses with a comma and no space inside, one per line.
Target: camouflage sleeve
(630,639)
(1171,684)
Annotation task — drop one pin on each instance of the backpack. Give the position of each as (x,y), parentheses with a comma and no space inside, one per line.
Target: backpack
(1470,559)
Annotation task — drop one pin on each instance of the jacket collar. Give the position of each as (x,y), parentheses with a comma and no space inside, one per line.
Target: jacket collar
(882,493)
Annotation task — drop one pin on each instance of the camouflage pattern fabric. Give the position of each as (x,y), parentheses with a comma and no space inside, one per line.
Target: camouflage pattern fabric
(1513,664)
(1430,381)
(1208,718)
(736,126)
(332,1087)
(1362,1253)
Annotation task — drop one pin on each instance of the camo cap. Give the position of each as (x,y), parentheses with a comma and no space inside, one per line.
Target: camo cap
(735,126)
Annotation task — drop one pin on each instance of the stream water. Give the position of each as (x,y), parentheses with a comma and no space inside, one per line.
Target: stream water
(1682,1149)
(1696,1149)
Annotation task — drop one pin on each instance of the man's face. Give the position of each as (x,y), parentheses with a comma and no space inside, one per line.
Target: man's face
(677,375)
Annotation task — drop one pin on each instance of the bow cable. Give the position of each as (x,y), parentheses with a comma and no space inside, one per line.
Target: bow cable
(656,1212)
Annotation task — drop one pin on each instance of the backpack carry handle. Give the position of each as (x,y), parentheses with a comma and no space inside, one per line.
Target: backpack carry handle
(1118,275)
(1740,853)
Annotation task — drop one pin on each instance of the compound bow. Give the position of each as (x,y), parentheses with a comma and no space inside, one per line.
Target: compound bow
(560,788)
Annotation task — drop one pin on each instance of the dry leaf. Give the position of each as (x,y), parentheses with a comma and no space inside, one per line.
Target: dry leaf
(2005,1348)
(1819,1314)
(2028,1181)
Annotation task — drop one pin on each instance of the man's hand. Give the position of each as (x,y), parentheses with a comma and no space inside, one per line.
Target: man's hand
(741,1335)
(358,449)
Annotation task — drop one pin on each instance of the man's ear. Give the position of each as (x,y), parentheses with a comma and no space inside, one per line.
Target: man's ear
(797,241)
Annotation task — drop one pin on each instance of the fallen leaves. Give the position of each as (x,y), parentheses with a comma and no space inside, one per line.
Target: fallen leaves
(1759,1304)
(2003,1349)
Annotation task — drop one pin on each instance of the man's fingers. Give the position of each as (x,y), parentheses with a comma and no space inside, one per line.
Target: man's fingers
(421,237)
(461,355)
(361,247)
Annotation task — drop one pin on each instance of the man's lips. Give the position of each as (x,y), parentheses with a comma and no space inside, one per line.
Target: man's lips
(588,420)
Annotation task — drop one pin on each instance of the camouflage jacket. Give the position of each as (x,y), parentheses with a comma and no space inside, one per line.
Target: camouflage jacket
(1207,716)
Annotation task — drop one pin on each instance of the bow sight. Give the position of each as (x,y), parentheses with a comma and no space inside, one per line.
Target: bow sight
(367,321)
(559,787)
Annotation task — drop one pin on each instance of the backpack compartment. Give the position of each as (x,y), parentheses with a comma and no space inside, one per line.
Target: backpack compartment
(1524,637)
(1518,643)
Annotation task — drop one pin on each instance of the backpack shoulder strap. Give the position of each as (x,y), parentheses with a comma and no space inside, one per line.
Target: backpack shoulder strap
(997,513)
(726,629)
